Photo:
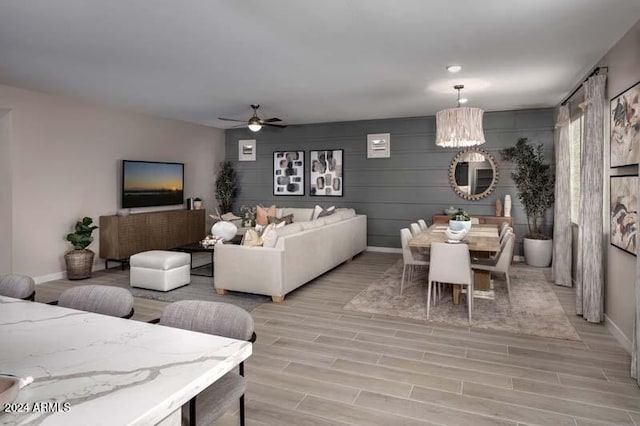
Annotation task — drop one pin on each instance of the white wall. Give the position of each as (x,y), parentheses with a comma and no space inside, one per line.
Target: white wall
(65,161)
(623,62)
(5,190)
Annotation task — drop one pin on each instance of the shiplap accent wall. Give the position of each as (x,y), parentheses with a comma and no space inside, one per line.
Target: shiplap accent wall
(393,192)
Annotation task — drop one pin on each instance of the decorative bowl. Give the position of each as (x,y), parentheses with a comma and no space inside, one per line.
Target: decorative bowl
(458,225)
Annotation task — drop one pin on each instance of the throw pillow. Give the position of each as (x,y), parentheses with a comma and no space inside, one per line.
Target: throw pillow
(319,212)
(251,238)
(262,214)
(288,219)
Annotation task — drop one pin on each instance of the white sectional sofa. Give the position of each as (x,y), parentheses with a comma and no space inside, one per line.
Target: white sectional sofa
(292,255)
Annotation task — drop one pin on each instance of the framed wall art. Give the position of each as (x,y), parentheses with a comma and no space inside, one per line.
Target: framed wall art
(247,150)
(624,212)
(288,173)
(326,173)
(625,127)
(379,145)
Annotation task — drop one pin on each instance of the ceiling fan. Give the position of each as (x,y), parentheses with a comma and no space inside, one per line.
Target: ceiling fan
(255,123)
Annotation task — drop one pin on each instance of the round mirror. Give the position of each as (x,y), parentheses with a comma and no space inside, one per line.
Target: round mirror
(473,174)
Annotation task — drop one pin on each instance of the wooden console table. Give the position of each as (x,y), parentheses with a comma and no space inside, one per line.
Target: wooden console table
(483,220)
(123,236)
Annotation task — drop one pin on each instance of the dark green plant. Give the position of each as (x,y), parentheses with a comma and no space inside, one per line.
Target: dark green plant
(226,187)
(197,199)
(81,238)
(535,182)
(461,215)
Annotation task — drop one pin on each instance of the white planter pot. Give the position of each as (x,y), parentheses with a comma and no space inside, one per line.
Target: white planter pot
(538,252)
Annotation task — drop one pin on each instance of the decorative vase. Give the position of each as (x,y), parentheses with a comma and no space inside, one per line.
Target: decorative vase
(537,252)
(224,229)
(79,264)
(498,208)
(507,206)
(197,205)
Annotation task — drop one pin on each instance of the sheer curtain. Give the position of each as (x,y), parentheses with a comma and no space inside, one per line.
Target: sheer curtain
(561,267)
(590,274)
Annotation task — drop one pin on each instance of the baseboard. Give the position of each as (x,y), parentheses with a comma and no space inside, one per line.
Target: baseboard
(62,275)
(618,334)
(384,249)
(518,258)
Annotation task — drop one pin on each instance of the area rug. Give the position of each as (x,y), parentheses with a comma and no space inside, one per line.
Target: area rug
(200,288)
(534,308)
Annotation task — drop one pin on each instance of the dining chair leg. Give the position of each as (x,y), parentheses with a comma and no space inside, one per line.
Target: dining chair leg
(404,268)
(242,410)
(429,297)
(192,412)
(506,274)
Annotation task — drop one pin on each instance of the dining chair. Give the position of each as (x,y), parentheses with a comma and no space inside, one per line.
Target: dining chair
(415,229)
(503,226)
(450,263)
(17,286)
(99,299)
(422,224)
(501,263)
(409,258)
(504,231)
(475,221)
(219,319)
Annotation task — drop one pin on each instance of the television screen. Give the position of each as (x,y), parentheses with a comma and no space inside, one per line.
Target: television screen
(146,184)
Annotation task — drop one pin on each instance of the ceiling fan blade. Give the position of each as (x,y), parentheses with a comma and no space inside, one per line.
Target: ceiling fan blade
(270,120)
(275,125)
(239,125)
(231,119)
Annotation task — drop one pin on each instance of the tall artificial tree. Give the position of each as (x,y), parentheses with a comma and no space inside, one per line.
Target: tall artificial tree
(226,187)
(535,182)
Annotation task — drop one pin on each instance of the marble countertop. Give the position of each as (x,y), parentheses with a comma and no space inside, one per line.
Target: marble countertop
(104,370)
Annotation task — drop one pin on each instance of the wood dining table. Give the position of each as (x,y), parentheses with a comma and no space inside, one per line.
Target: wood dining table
(483,241)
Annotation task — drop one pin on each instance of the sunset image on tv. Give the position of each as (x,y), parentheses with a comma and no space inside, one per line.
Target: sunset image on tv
(151,184)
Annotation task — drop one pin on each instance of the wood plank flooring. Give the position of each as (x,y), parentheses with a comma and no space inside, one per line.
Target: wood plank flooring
(317,364)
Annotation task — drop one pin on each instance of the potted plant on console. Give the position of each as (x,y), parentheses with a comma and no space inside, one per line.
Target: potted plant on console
(535,183)
(226,187)
(80,260)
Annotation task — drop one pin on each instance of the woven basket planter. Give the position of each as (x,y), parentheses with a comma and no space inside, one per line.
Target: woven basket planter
(79,263)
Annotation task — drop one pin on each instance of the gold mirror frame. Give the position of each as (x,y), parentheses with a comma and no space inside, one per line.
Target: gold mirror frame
(452,174)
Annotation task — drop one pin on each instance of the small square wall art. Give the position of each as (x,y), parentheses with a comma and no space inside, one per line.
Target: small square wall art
(624,212)
(326,173)
(625,127)
(288,173)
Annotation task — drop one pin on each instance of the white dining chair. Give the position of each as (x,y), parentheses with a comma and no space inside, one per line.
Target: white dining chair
(415,229)
(410,259)
(422,224)
(507,230)
(503,226)
(502,261)
(450,263)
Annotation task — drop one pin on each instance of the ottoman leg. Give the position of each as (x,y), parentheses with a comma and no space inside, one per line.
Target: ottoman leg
(277,299)
(221,291)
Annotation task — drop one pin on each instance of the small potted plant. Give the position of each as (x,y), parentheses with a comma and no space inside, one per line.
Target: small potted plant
(80,260)
(535,182)
(460,220)
(197,203)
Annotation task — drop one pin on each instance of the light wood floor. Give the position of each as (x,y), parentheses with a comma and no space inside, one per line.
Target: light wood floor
(316,364)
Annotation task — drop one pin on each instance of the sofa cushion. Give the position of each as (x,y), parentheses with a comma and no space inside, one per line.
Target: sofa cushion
(271,239)
(262,214)
(312,224)
(346,213)
(299,214)
(251,238)
(333,219)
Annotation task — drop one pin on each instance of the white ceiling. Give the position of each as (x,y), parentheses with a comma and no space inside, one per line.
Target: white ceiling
(307,61)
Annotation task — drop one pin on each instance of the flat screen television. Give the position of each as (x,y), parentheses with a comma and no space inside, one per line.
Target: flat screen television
(147,184)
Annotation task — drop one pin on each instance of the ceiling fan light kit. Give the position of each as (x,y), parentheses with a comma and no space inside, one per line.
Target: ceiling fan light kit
(460,126)
(255,123)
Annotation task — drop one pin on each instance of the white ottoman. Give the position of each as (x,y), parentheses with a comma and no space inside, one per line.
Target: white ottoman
(160,270)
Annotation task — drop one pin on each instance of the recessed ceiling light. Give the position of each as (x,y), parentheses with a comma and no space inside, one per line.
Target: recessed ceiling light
(463,100)
(454,68)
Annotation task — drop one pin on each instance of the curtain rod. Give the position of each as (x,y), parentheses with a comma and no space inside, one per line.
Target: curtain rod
(594,72)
